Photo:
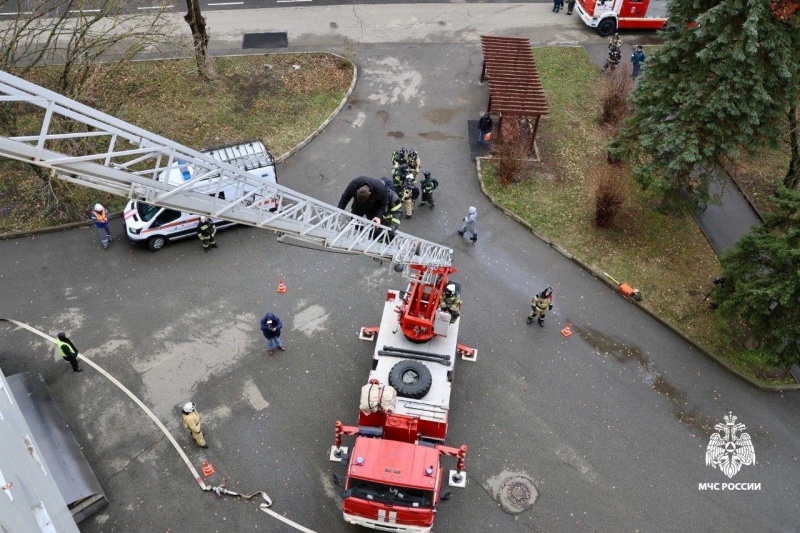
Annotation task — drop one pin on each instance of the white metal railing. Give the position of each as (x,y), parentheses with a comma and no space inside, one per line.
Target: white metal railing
(130,159)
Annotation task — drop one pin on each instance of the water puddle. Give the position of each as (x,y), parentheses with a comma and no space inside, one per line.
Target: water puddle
(647,373)
(439,136)
(440,115)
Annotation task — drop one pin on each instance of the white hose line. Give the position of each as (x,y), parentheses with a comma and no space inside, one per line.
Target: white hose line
(264,506)
(131,396)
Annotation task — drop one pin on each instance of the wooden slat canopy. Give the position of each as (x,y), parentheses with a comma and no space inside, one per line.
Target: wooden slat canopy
(514,86)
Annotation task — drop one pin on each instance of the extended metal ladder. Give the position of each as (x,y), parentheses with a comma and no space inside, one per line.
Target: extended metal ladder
(131,159)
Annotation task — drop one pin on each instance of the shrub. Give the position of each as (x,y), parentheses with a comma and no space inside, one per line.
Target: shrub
(509,152)
(610,193)
(616,95)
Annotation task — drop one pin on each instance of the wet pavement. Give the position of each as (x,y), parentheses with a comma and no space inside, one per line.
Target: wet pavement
(609,426)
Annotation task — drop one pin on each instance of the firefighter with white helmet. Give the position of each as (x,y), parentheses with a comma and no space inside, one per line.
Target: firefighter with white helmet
(451,302)
(206,232)
(191,420)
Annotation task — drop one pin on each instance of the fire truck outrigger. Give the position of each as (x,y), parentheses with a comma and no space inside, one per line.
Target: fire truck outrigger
(394,477)
(607,16)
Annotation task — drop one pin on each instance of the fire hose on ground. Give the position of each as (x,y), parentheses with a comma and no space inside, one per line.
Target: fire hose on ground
(220,489)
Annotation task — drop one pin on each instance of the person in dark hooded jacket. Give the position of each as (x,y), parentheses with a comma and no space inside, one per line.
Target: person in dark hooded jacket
(369,198)
(271,327)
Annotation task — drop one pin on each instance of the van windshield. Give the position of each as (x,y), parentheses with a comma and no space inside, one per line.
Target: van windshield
(146,211)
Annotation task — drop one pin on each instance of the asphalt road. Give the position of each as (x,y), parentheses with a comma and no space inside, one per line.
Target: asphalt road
(611,423)
(10,9)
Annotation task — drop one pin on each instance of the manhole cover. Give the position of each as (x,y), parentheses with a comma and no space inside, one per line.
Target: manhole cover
(515,492)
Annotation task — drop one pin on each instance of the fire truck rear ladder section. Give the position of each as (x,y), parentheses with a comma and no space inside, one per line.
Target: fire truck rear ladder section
(122,159)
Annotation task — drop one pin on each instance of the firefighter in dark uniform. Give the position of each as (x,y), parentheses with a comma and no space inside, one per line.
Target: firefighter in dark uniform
(394,205)
(540,304)
(68,351)
(206,231)
(428,185)
(399,175)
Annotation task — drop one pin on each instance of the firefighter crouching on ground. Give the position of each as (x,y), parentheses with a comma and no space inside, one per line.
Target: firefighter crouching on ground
(540,304)
(206,232)
(451,302)
(191,419)
(428,185)
(410,195)
(376,397)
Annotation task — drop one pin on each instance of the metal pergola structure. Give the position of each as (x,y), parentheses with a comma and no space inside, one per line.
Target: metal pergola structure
(120,158)
(515,90)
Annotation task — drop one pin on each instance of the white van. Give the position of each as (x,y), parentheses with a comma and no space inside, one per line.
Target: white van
(154,226)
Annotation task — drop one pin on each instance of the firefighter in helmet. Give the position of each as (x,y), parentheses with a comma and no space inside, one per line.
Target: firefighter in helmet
(451,302)
(409,195)
(191,420)
(615,42)
(428,185)
(394,205)
(414,163)
(540,304)
(206,231)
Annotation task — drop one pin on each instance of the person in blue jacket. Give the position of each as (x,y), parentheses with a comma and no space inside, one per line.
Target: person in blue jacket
(637,59)
(271,327)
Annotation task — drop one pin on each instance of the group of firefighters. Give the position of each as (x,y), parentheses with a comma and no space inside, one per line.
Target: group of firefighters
(406,166)
(385,201)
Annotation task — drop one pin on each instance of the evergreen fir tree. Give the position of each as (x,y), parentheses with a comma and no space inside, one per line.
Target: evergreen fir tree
(762,280)
(721,84)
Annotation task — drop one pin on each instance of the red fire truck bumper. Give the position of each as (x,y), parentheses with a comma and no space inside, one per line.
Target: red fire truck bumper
(384,525)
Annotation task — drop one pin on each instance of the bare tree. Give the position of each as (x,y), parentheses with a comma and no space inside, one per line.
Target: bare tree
(82,46)
(201,37)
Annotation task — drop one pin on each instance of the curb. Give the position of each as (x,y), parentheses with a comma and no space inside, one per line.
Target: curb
(292,151)
(758,384)
(51,229)
(280,159)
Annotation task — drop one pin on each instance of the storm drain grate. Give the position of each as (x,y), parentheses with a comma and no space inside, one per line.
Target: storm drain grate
(265,40)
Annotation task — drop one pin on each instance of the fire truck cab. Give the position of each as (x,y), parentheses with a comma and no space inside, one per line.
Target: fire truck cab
(395,477)
(607,16)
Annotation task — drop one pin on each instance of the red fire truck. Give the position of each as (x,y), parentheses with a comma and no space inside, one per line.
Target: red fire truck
(606,16)
(394,479)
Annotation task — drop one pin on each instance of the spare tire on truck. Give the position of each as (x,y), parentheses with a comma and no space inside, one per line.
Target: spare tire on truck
(412,379)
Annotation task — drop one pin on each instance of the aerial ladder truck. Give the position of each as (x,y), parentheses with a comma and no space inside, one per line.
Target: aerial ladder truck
(416,341)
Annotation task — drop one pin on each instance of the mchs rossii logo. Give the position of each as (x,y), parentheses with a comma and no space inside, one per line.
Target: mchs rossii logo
(729,449)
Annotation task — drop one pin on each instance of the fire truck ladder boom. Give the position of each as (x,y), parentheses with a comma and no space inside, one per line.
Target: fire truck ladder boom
(82,145)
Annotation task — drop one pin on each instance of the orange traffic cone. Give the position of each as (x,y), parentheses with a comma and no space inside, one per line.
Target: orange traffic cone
(567,331)
(208,469)
(281,287)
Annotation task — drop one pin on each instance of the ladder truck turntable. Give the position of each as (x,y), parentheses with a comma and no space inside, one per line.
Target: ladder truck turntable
(395,481)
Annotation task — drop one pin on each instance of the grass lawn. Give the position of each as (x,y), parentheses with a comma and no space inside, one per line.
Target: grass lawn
(666,257)
(279,99)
